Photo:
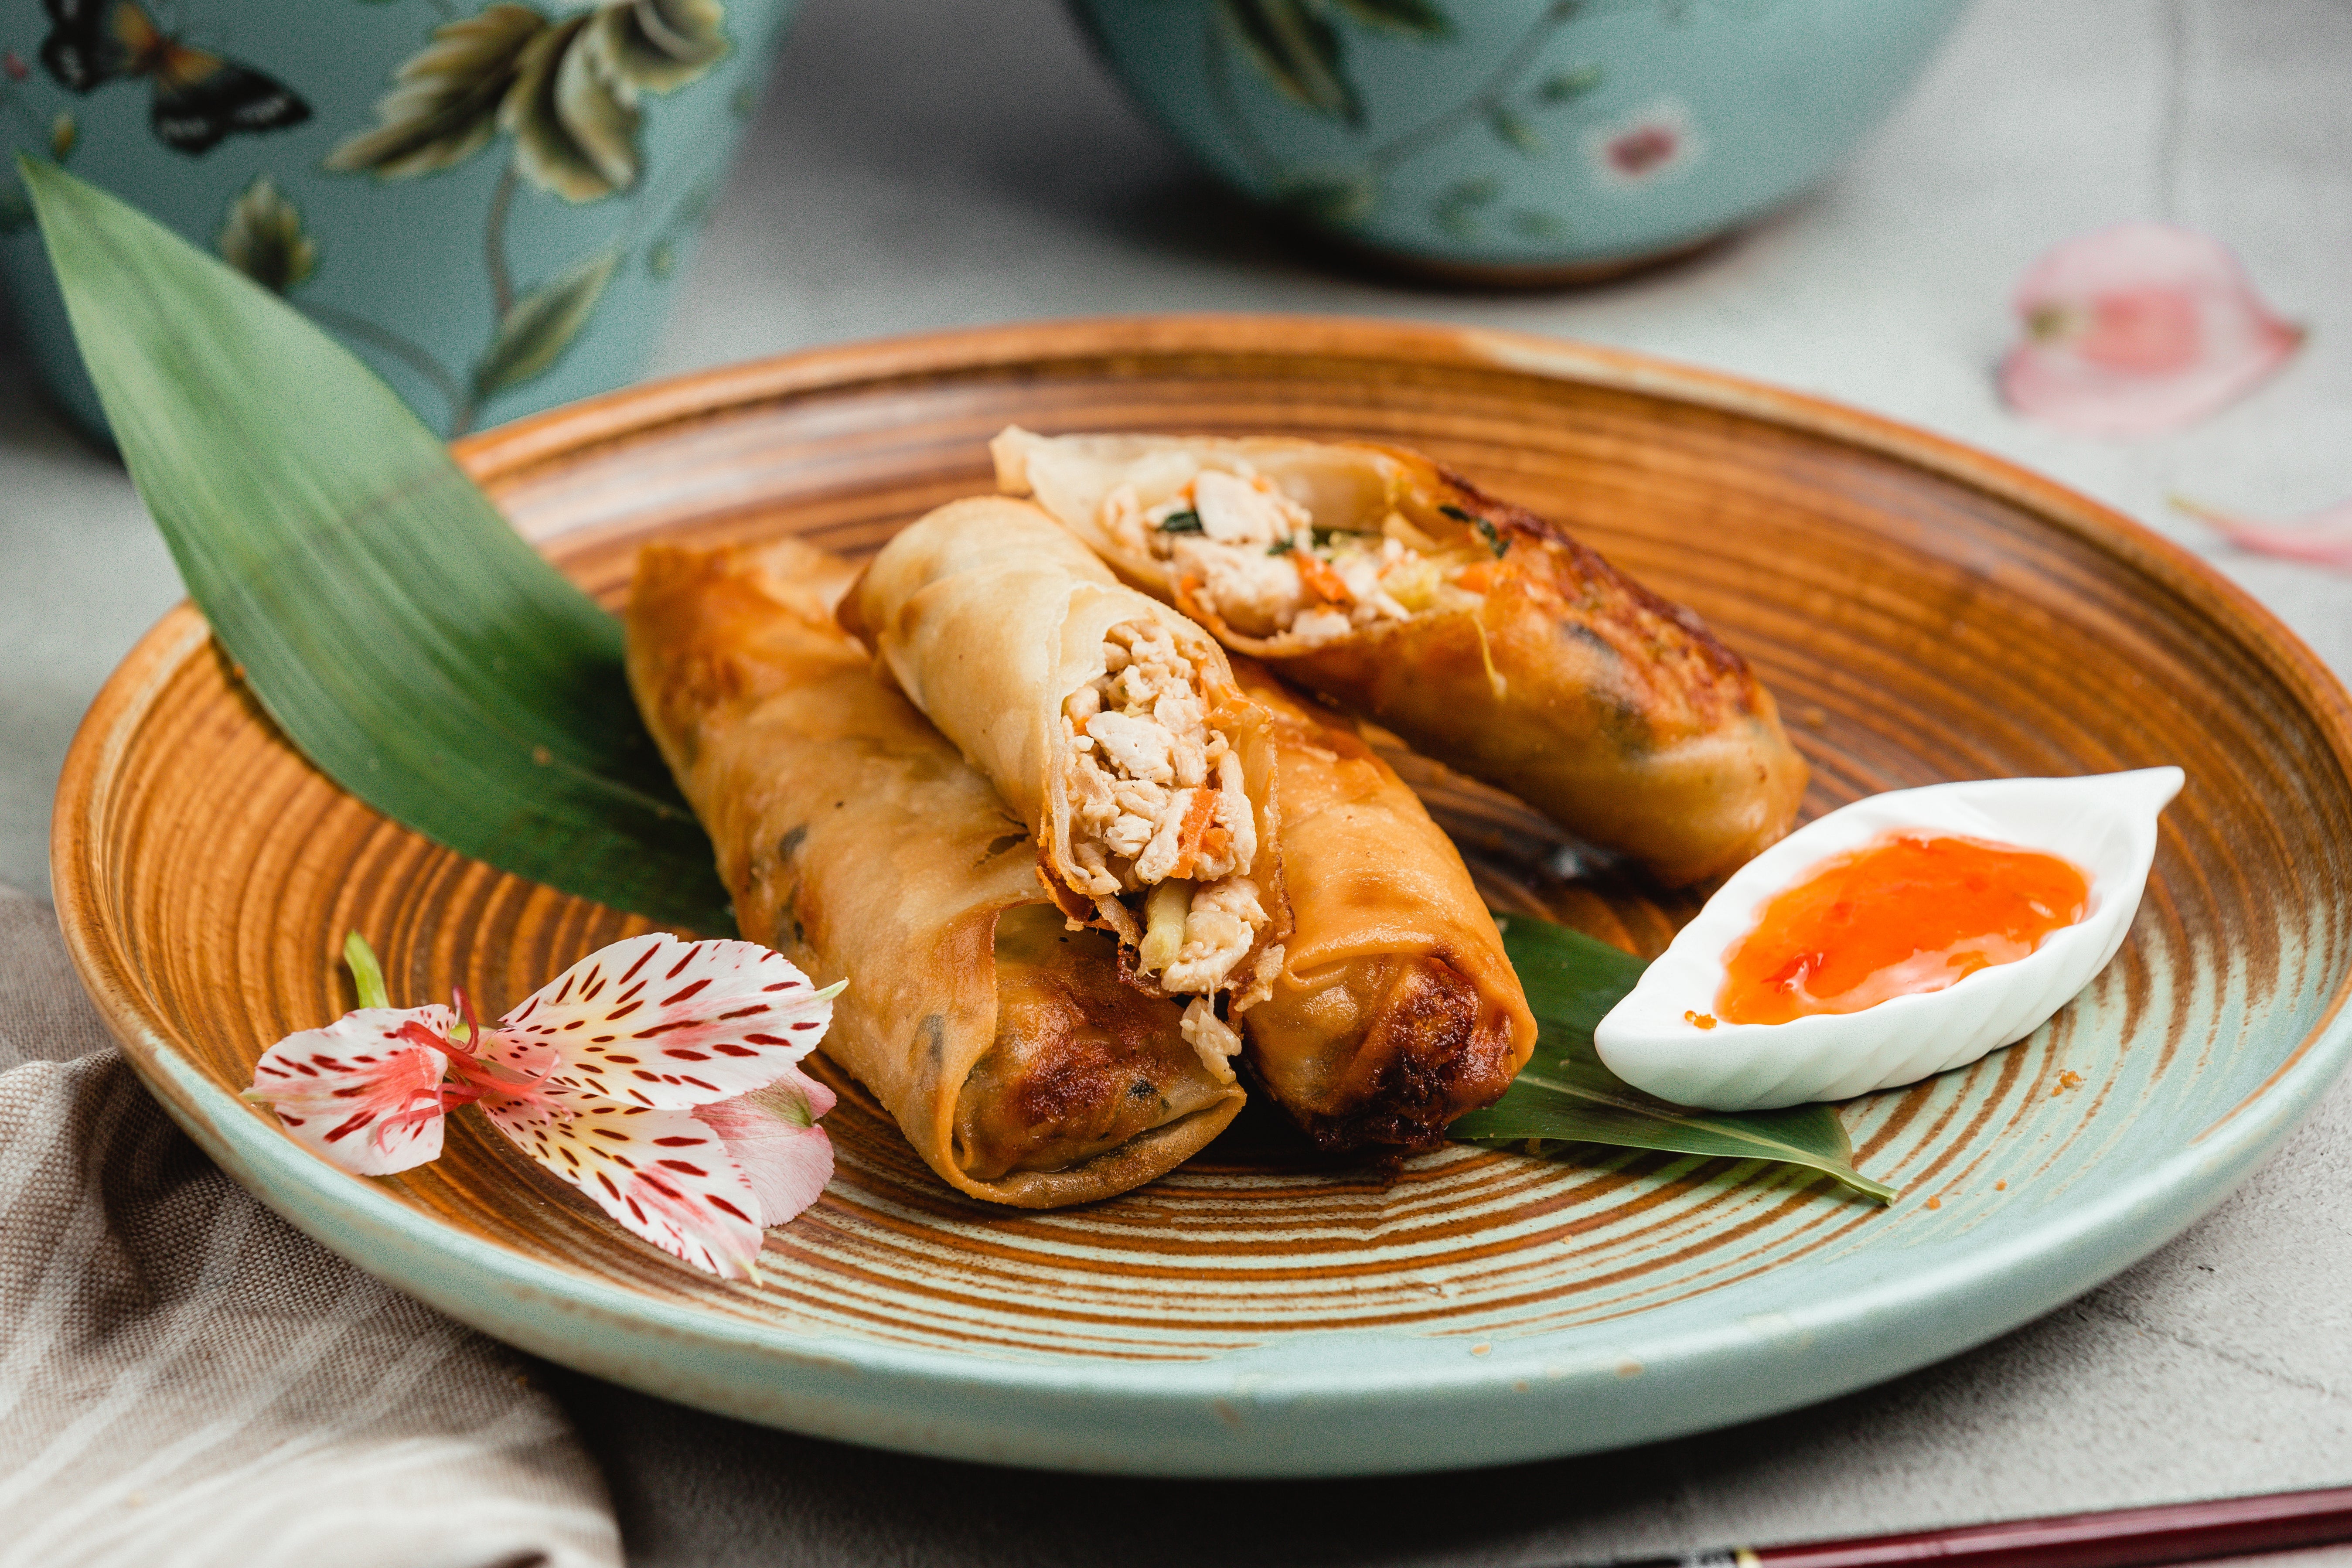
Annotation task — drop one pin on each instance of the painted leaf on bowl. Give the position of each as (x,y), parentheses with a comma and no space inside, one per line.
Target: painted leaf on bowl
(444,105)
(1565,1096)
(566,90)
(396,629)
(656,45)
(1341,200)
(1297,50)
(264,238)
(1514,130)
(1419,17)
(575,130)
(542,324)
(1566,87)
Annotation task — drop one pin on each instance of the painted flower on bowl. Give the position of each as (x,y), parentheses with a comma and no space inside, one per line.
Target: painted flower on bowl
(1658,143)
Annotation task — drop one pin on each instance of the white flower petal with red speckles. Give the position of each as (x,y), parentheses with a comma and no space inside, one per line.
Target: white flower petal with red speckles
(657,1022)
(365,1091)
(2140,329)
(663,1174)
(773,1133)
(2323,538)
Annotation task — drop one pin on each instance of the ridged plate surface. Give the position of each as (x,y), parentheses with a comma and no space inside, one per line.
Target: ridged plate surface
(1922,612)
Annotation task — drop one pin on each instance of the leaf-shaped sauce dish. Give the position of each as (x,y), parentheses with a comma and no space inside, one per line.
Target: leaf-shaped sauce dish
(1663,1038)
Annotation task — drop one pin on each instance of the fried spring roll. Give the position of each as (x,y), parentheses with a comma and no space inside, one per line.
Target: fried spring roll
(857,843)
(1481,634)
(1113,729)
(1396,1010)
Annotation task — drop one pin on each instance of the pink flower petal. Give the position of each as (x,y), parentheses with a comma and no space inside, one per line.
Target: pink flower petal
(661,1173)
(654,1021)
(2324,538)
(2140,329)
(773,1133)
(364,1091)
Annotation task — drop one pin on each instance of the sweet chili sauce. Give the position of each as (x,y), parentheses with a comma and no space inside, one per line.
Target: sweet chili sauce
(1910,911)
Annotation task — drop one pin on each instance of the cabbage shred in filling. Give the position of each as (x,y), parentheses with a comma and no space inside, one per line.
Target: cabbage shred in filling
(1255,558)
(1161,824)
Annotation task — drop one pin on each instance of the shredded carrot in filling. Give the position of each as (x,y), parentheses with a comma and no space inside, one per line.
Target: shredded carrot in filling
(1158,807)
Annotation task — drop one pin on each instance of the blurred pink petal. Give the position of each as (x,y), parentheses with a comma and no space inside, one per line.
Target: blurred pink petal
(772,1134)
(660,1022)
(2140,329)
(2324,538)
(364,1091)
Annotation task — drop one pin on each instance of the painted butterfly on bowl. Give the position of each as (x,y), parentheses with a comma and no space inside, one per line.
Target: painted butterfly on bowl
(199,96)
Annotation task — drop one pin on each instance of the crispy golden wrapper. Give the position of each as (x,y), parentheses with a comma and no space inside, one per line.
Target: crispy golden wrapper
(857,843)
(1396,1010)
(991,618)
(1528,661)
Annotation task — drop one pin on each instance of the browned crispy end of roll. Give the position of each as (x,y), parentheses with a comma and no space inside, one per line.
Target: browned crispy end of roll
(1396,1009)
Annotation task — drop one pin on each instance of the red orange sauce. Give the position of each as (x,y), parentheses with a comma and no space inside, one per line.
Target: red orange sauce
(1907,912)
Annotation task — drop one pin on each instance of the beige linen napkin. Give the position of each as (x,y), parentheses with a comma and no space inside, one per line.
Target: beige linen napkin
(187,1380)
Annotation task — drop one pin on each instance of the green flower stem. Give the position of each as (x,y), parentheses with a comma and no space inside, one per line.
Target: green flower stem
(1486,100)
(367,974)
(494,246)
(1267,167)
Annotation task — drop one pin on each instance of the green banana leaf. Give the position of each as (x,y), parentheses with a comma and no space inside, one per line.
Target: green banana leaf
(397,630)
(1565,1095)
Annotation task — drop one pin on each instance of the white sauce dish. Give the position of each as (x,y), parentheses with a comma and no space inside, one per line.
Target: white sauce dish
(2105,823)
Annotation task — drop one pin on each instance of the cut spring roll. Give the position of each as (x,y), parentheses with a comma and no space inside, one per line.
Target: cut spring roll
(1396,1010)
(1112,727)
(1481,634)
(857,843)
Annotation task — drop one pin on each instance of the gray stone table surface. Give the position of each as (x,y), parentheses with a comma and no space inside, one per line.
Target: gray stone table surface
(924,164)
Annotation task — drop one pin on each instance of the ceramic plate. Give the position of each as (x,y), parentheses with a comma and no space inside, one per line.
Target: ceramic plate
(1923,612)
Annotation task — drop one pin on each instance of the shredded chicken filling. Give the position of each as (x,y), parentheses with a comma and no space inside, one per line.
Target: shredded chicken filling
(1159,820)
(1257,559)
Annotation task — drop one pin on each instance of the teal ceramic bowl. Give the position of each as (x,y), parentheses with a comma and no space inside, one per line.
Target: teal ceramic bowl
(490,204)
(1520,141)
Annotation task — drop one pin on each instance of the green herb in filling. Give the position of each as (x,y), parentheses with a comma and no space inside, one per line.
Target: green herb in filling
(1486,530)
(1181,523)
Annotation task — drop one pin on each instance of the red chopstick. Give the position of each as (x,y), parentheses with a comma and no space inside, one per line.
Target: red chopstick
(2123,1538)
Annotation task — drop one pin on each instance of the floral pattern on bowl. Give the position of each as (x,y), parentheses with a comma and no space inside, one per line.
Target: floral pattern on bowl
(489,207)
(1497,133)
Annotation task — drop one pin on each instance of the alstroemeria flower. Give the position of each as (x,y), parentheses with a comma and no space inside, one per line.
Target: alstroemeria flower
(657,1076)
(2323,538)
(2140,329)
(773,1133)
(365,1092)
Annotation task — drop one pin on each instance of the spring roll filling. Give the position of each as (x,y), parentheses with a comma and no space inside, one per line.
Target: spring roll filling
(1161,824)
(1260,561)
